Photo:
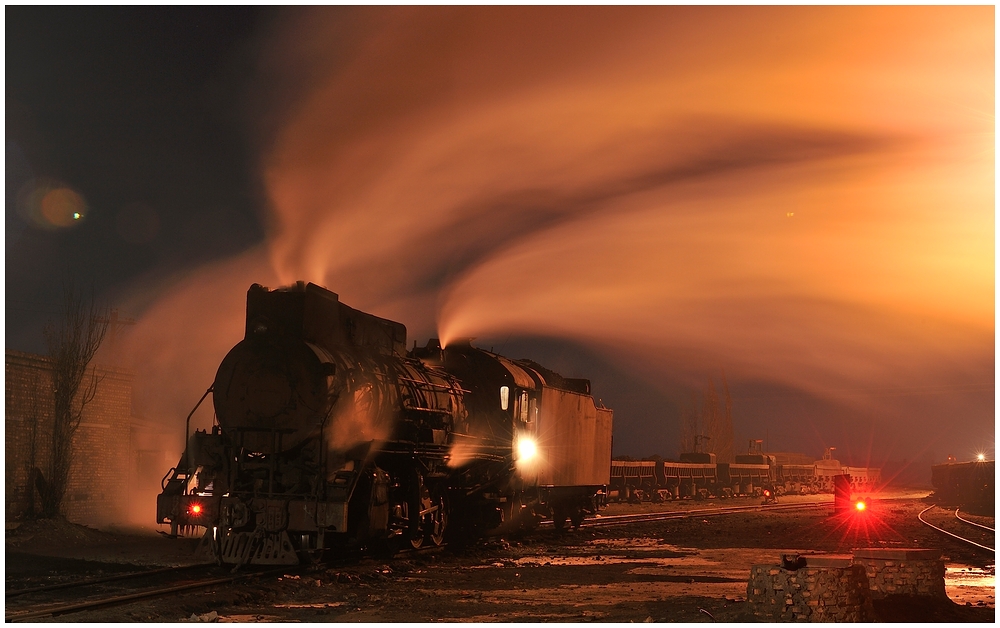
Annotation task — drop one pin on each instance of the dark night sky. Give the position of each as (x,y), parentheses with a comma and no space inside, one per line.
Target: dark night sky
(141,111)
(643,197)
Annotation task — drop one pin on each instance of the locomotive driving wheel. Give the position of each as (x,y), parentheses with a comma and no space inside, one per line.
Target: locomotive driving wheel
(428,518)
(436,521)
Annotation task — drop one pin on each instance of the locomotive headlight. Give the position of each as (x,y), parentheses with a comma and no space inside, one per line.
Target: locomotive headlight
(526,449)
(860,505)
(195,509)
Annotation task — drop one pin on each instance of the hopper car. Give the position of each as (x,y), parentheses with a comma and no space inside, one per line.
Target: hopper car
(700,475)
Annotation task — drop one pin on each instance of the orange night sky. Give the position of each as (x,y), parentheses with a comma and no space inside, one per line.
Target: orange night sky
(801,196)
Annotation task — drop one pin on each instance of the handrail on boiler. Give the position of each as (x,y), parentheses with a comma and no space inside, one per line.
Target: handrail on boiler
(187,424)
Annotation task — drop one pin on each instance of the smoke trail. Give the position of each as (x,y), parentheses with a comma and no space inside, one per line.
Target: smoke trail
(801,195)
(783,190)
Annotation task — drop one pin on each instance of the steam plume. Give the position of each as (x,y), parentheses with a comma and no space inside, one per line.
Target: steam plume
(801,195)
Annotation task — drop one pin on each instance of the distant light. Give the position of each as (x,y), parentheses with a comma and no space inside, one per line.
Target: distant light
(526,449)
(62,207)
(195,509)
(790,214)
(860,505)
(50,204)
(980,457)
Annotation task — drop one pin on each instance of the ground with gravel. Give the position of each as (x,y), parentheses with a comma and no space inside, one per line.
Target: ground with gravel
(686,570)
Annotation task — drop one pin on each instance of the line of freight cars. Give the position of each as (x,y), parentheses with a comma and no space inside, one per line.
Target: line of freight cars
(699,475)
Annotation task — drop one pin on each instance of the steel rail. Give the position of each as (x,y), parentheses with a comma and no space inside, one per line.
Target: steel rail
(612,520)
(100,580)
(920,516)
(684,514)
(139,595)
(973,523)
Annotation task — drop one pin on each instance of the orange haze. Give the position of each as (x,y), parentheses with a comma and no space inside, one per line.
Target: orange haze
(801,195)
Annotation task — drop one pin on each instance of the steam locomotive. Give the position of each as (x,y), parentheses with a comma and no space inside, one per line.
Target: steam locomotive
(329,435)
(699,475)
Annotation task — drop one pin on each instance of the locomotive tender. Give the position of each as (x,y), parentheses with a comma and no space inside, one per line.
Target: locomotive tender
(329,435)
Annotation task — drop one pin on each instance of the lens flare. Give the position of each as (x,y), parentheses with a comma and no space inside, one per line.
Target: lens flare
(526,449)
(195,509)
(51,204)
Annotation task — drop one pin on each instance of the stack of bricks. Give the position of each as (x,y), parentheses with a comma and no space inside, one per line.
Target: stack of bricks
(903,571)
(824,588)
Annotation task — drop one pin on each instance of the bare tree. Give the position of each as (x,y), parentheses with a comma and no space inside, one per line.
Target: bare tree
(72,343)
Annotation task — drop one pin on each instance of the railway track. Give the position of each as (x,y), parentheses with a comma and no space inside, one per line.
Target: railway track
(958,537)
(34,609)
(83,582)
(615,520)
(31,608)
(972,523)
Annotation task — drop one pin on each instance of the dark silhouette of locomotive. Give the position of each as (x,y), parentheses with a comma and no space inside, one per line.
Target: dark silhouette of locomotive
(329,435)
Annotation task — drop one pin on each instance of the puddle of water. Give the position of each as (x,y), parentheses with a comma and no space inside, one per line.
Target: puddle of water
(974,585)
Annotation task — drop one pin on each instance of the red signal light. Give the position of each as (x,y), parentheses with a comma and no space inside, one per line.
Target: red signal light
(860,505)
(195,509)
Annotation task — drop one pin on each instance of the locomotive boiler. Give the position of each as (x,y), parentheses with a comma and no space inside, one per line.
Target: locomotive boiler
(328,434)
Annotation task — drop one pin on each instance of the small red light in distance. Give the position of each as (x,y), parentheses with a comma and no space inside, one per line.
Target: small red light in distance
(860,505)
(195,509)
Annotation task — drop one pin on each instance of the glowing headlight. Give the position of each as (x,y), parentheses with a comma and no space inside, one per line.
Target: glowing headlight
(526,449)
(860,505)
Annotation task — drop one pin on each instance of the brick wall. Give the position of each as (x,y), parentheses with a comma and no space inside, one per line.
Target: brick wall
(825,590)
(832,587)
(98,487)
(903,571)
